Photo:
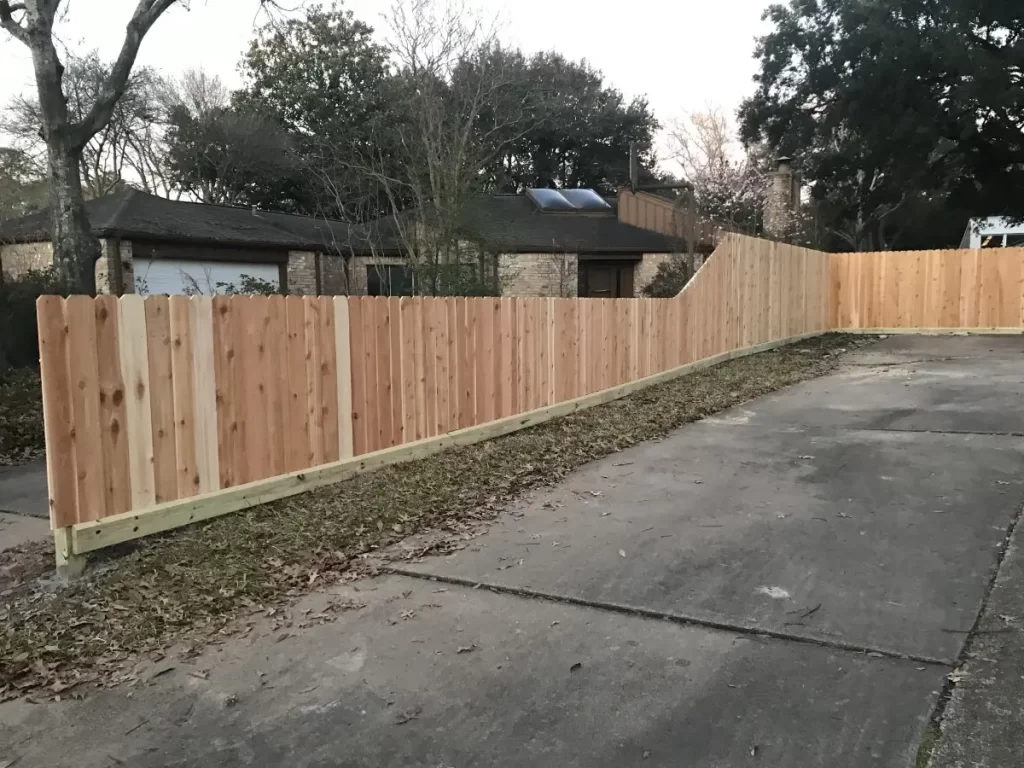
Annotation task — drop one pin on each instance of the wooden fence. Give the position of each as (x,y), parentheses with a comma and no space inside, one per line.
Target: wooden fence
(150,401)
(922,290)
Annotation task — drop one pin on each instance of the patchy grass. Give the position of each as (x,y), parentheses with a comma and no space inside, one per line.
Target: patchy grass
(21,416)
(195,583)
(928,742)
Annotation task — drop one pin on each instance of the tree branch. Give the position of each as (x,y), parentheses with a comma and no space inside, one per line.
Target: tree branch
(146,13)
(7,22)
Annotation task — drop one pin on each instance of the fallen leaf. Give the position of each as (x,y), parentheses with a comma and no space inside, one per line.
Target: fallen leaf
(576,667)
(622,553)
(466,649)
(410,714)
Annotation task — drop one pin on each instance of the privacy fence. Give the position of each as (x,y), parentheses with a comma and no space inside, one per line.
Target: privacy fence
(929,290)
(164,411)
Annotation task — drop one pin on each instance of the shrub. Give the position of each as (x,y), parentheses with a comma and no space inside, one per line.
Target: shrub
(19,337)
(21,416)
(668,281)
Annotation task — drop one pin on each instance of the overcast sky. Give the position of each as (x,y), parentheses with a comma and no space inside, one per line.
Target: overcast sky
(681,54)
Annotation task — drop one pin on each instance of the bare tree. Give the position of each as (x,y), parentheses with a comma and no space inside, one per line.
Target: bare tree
(129,140)
(729,182)
(429,161)
(75,249)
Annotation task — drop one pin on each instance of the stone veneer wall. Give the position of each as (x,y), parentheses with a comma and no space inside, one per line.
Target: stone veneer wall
(301,273)
(538,274)
(18,258)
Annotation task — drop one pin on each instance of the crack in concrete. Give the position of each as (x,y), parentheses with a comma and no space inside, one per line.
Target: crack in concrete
(939,432)
(853,364)
(675,618)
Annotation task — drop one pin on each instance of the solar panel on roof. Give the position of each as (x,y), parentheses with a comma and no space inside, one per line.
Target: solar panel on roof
(549,200)
(585,200)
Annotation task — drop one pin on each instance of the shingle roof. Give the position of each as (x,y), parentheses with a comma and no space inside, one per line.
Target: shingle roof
(132,213)
(512,224)
(506,223)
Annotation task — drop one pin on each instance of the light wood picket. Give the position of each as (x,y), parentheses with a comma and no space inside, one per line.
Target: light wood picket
(156,400)
(928,290)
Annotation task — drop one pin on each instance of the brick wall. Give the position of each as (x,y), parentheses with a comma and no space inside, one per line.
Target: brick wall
(301,273)
(334,281)
(646,268)
(538,274)
(106,267)
(18,258)
(782,201)
(127,267)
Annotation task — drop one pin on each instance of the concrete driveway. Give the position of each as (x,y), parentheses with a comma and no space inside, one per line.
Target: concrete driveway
(24,504)
(787,584)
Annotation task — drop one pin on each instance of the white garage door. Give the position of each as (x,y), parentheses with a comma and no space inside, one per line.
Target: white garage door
(154,277)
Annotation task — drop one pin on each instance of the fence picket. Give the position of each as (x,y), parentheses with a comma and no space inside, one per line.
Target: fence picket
(58,411)
(182,383)
(116,477)
(160,399)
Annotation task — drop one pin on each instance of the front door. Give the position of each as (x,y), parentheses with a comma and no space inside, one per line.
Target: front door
(606,279)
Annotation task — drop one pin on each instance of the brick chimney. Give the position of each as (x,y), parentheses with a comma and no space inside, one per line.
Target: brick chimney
(782,201)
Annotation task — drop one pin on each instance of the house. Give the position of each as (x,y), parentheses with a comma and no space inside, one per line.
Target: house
(542,243)
(154,245)
(993,232)
(550,242)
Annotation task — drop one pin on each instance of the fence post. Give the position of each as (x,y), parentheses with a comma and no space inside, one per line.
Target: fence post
(69,565)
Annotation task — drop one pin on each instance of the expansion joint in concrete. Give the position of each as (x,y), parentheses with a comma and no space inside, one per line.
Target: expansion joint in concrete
(647,613)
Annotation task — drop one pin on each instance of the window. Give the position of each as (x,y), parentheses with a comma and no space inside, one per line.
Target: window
(992,241)
(389,280)
(1015,241)
(600,279)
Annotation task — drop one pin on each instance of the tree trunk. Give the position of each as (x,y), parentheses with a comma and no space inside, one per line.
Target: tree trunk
(75,249)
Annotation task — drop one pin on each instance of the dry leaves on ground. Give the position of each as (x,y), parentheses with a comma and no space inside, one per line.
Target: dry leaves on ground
(200,583)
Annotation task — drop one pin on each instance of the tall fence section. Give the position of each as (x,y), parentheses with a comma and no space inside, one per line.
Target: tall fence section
(158,406)
(156,400)
(929,290)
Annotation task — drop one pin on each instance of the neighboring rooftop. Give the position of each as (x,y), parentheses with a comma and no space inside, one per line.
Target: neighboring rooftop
(516,224)
(135,214)
(504,223)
